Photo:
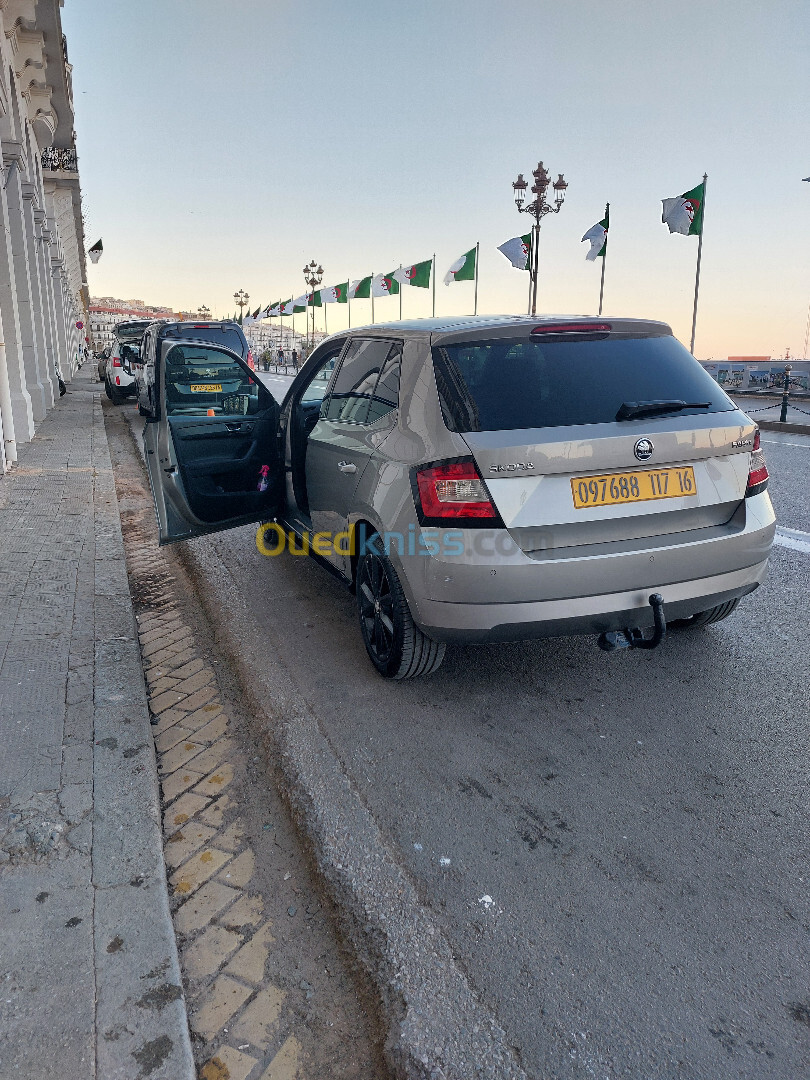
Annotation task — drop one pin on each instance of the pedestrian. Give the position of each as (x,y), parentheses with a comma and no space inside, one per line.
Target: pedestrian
(295,358)
(281,355)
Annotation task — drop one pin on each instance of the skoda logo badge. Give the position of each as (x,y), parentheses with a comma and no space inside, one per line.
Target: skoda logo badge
(643,449)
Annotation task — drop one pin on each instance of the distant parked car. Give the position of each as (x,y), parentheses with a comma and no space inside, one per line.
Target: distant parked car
(119,377)
(476,478)
(103,356)
(161,336)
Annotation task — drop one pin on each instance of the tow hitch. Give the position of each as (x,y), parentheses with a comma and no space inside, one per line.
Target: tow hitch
(632,637)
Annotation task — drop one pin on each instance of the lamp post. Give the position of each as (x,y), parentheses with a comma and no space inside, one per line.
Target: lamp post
(538,208)
(204,312)
(241,299)
(313,276)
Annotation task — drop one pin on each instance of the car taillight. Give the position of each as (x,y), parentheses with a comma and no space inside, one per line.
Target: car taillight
(757,469)
(250,361)
(454,491)
(116,362)
(117,380)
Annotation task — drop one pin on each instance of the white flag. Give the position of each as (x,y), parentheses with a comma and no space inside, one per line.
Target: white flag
(517,251)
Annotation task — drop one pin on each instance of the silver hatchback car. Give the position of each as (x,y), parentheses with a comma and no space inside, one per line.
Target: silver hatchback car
(478,479)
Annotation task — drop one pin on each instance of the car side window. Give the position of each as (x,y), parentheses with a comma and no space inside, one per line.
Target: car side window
(202,381)
(353,390)
(385,396)
(315,391)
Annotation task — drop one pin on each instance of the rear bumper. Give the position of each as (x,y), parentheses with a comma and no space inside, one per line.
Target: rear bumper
(445,621)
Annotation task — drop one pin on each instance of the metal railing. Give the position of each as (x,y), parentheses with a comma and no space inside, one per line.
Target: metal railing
(56,158)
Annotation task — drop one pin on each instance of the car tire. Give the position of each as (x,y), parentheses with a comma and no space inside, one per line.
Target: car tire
(396,646)
(115,395)
(706,618)
(142,411)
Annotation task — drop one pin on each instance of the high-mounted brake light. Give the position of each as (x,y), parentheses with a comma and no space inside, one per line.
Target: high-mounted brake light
(573,328)
(454,491)
(757,469)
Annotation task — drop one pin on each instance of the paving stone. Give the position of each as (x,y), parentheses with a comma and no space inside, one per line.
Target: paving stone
(207,903)
(197,870)
(173,734)
(210,951)
(209,758)
(165,640)
(178,657)
(213,730)
(183,843)
(247,911)
(241,870)
(189,669)
(214,812)
(164,701)
(167,718)
(228,1064)
(223,1000)
(216,781)
(249,962)
(185,808)
(200,717)
(201,697)
(178,756)
(286,1065)
(256,1024)
(169,626)
(161,684)
(178,782)
(233,837)
(195,682)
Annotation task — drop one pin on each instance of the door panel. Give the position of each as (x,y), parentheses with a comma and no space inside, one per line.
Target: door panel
(213,451)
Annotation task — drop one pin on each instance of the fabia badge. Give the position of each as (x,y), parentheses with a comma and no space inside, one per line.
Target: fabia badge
(643,449)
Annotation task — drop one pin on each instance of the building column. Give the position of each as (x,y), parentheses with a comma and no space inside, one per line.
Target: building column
(38,302)
(48,314)
(21,276)
(8,445)
(60,314)
(21,404)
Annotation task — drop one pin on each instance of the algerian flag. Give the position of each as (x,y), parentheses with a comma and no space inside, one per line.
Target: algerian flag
(598,235)
(684,215)
(337,294)
(314,299)
(360,289)
(463,269)
(384,285)
(300,303)
(418,274)
(517,251)
(287,307)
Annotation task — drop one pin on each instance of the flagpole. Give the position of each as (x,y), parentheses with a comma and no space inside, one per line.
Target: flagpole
(349,299)
(697,271)
(434,287)
(325,327)
(475,312)
(371,290)
(604,260)
(400,296)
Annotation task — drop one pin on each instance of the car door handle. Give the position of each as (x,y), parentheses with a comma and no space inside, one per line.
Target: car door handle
(346,466)
(239,426)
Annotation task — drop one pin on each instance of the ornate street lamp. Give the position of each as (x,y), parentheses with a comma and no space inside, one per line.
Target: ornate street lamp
(313,276)
(241,299)
(538,208)
(204,312)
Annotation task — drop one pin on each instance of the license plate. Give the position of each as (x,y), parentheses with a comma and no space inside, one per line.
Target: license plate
(206,388)
(614,488)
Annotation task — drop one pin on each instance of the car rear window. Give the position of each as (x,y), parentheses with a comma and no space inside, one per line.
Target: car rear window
(509,383)
(228,336)
(206,382)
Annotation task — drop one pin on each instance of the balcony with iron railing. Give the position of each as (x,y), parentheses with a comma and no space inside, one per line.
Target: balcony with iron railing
(60,159)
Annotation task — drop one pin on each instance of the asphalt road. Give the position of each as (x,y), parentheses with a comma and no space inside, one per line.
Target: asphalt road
(614,845)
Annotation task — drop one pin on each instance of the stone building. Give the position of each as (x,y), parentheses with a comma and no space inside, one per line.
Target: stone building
(43,278)
(105,312)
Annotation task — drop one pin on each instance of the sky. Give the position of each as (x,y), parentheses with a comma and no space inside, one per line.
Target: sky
(223,144)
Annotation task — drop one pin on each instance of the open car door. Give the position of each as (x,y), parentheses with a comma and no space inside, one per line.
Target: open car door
(212,446)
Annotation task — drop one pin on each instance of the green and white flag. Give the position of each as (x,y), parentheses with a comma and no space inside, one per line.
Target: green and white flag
(300,303)
(286,307)
(314,299)
(684,214)
(274,309)
(418,274)
(463,269)
(598,235)
(517,251)
(360,289)
(384,285)
(336,294)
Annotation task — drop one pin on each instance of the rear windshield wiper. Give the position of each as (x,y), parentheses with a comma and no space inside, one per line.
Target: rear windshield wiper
(629,410)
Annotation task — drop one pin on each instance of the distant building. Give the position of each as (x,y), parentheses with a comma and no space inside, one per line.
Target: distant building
(758,373)
(43,278)
(106,311)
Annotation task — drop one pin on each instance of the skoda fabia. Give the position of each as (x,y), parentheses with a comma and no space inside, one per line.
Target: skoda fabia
(477,479)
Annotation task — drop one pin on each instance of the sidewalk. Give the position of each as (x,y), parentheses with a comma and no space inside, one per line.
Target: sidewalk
(766,409)
(89,977)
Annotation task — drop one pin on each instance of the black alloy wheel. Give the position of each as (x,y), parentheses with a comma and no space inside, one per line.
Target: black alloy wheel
(396,646)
